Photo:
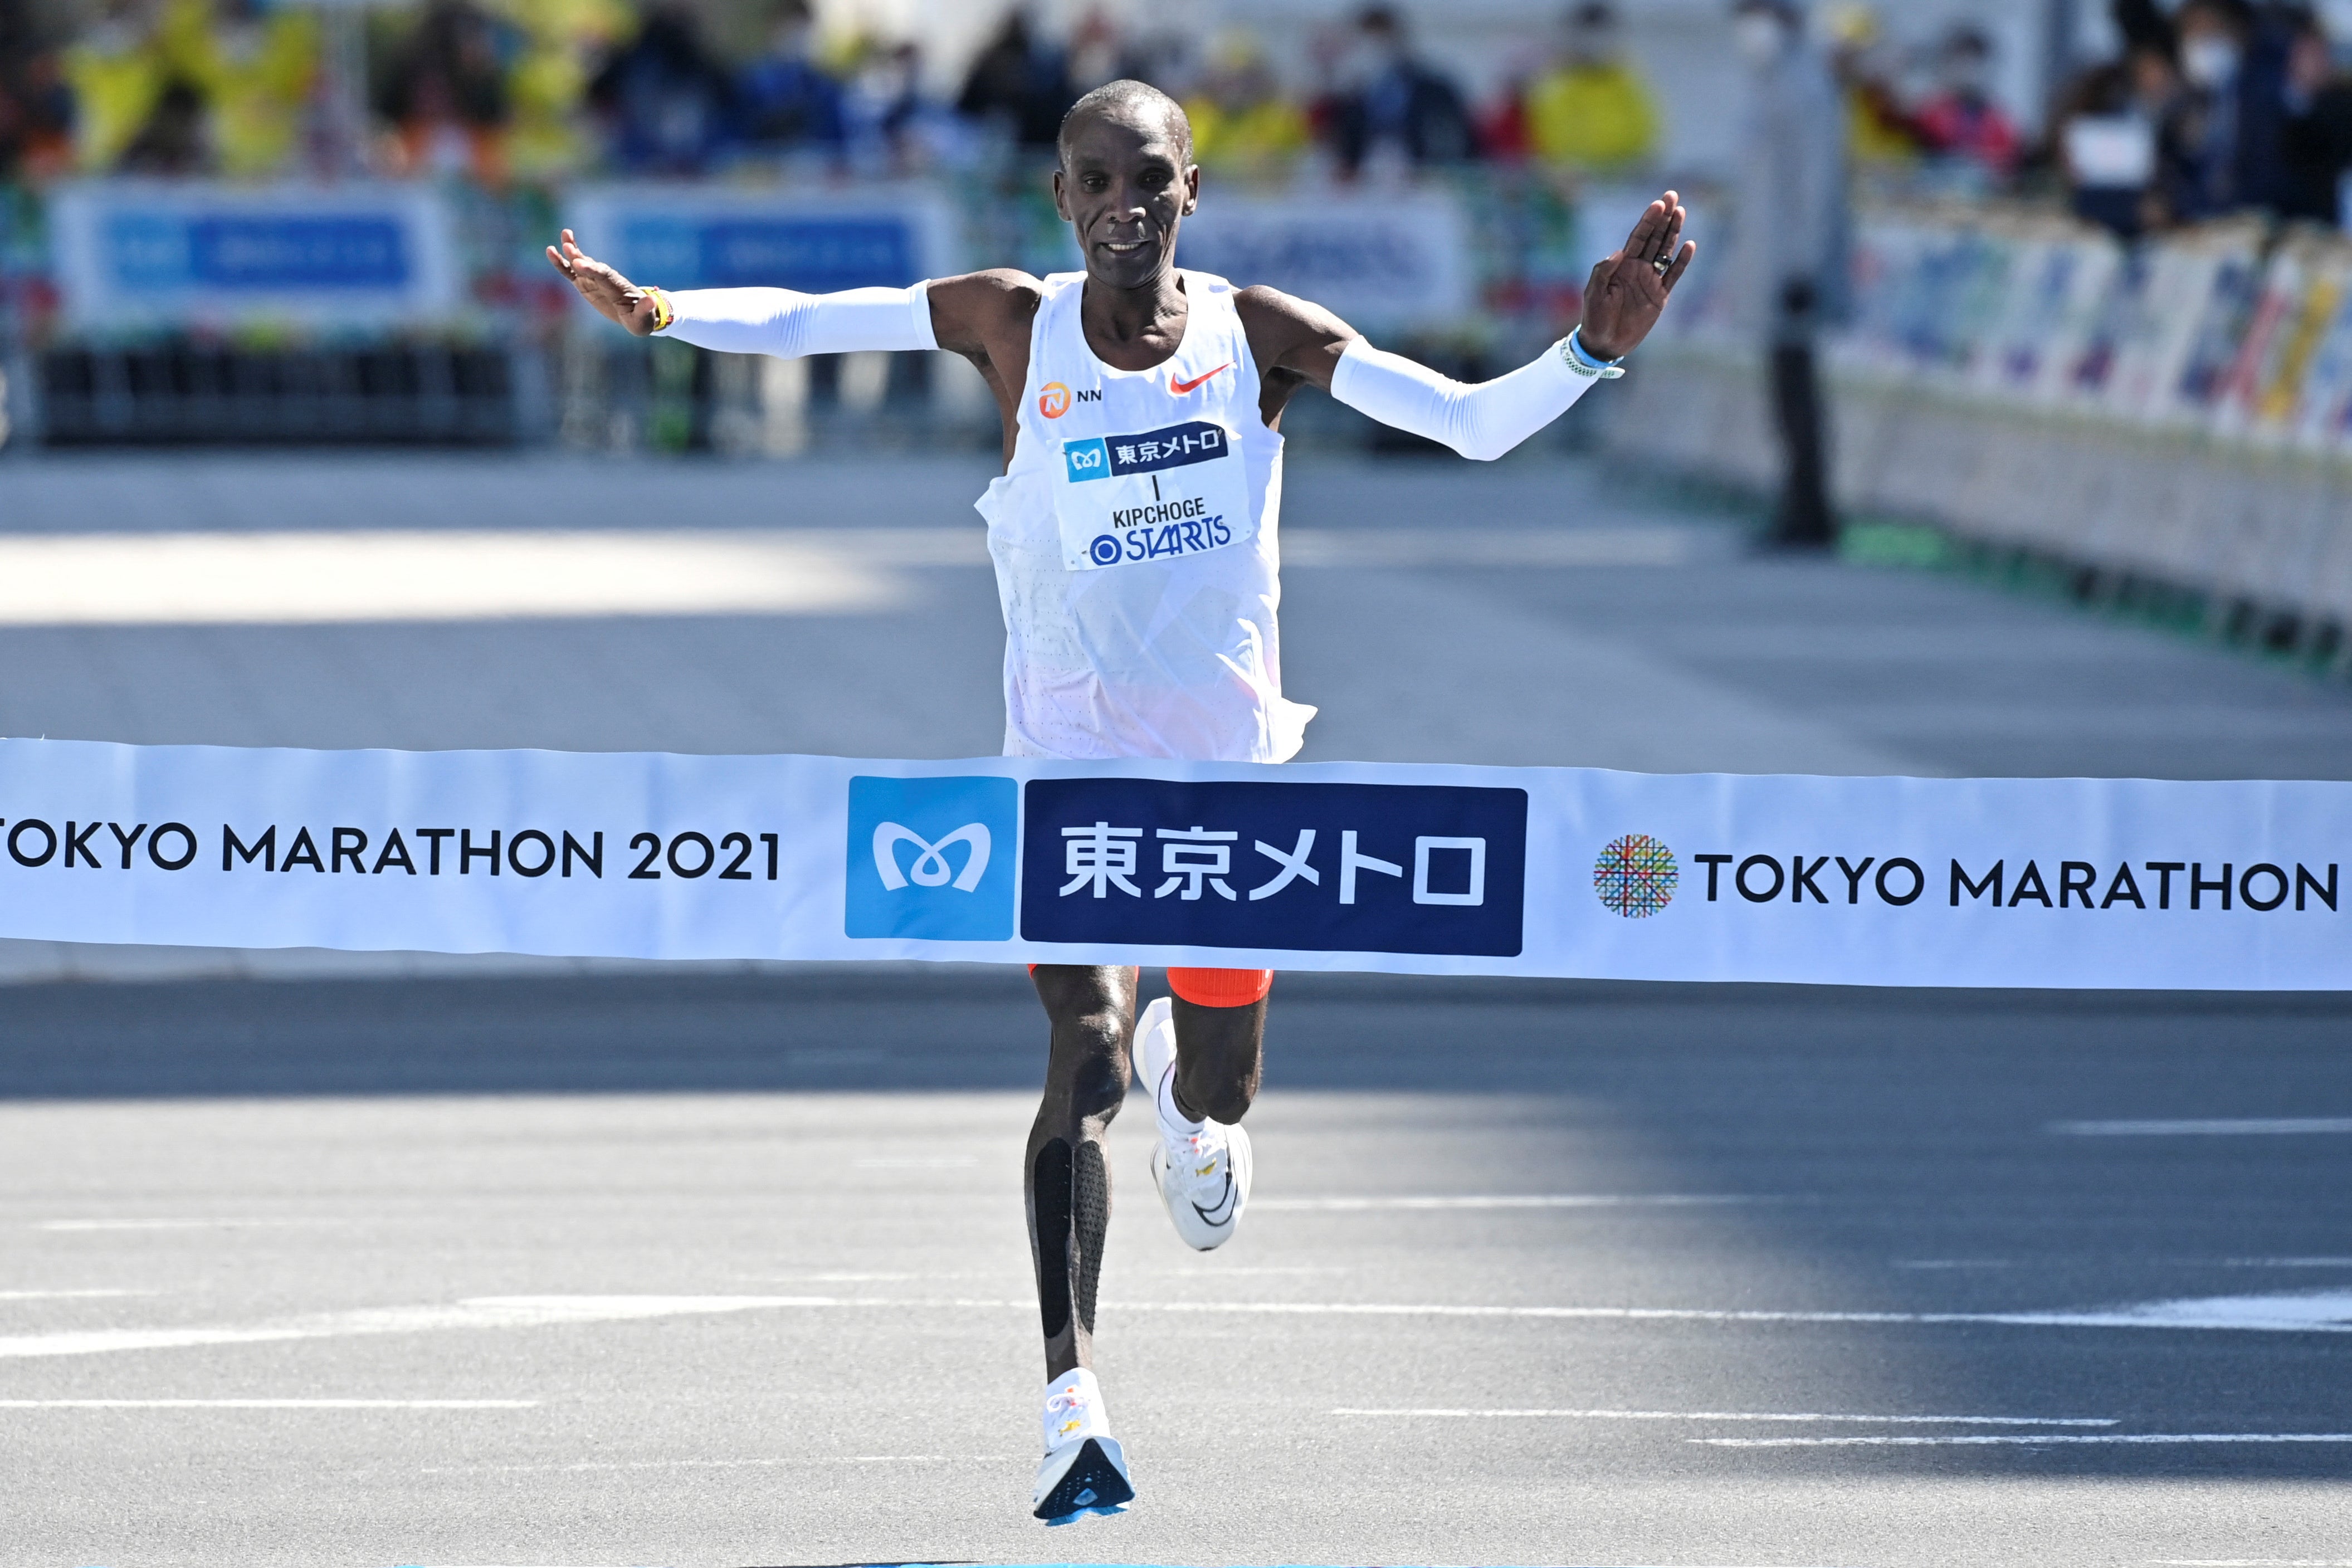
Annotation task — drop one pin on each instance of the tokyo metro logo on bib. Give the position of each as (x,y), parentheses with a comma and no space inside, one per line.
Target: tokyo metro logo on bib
(931,858)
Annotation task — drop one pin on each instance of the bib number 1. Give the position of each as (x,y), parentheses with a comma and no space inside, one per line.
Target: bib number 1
(1159,494)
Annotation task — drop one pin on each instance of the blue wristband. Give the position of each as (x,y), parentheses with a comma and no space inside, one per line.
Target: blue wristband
(1572,351)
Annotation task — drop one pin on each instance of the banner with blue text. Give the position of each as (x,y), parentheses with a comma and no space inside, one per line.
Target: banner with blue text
(1345,866)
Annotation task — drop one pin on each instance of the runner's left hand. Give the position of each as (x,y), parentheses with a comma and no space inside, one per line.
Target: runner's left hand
(613,296)
(1626,292)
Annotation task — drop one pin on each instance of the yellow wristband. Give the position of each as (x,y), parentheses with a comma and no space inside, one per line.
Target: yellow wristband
(664,311)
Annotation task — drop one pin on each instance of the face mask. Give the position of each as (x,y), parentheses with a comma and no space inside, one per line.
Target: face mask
(1759,34)
(2210,61)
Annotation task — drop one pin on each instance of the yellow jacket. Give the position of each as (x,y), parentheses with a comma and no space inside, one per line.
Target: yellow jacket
(1266,132)
(1592,116)
(256,83)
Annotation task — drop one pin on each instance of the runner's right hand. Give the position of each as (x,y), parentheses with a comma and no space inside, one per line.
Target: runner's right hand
(614,296)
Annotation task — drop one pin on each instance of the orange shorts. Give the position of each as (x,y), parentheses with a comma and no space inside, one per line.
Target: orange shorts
(1221,988)
(1218,988)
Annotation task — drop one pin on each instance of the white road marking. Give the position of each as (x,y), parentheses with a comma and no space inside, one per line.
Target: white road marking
(268,1404)
(917,1165)
(2325,1312)
(66,1295)
(74,1225)
(594,1465)
(1624,545)
(456,574)
(1746,1415)
(1974,1440)
(483,1312)
(1498,1200)
(2321,1312)
(1940,1263)
(2226,1126)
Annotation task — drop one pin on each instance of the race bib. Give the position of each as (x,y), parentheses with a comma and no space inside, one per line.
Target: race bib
(1122,500)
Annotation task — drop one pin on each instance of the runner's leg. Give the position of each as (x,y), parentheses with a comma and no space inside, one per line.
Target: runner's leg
(1220,1051)
(1199,1052)
(1093,1015)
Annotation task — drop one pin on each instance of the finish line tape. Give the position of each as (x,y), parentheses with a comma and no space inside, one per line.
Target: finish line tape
(1349,866)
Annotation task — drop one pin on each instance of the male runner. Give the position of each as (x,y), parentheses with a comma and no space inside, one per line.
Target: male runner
(1114,646)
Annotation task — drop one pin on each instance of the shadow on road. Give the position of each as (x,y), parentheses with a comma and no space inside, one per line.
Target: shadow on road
(1888,1152)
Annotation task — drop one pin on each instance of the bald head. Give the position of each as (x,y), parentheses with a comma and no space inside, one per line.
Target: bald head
(1132,103)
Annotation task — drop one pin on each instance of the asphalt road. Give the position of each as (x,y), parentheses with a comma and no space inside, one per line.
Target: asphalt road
(483,1262)
(737,1263)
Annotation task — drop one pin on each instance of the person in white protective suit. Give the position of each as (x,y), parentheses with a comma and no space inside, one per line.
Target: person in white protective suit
(1134,536)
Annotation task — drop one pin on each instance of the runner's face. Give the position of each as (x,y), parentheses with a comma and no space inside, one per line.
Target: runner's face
(1123,190)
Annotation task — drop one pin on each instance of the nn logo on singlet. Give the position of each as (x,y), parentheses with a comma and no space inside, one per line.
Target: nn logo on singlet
(1053,399)
(931,858)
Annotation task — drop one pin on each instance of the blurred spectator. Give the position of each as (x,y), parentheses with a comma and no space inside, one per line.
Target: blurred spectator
(2230,125)
(560,43)
(664,101)
(445,93)
(2110,128)
(1791,240)
(1868,72)
(1241,120)
(36,104)
(783,98)
(1500,125)
(177,87)
(2318,138)
(1391,102)
(1019,82)
(174,141)
(117,71)
(1592,111)
(1959,121)
(1097,54)
(256,67)
(891,125)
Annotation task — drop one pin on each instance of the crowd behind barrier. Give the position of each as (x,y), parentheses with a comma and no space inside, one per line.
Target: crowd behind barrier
(412,310)
(2169,420)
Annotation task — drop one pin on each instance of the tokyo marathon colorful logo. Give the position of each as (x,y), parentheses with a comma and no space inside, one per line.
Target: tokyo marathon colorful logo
(1636,876)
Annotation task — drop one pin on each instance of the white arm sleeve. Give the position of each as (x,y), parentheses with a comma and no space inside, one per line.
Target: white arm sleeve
(786,324)
(1482,422)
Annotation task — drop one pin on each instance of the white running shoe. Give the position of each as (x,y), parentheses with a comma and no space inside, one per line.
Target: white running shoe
(1201,1169)
(1084,1470)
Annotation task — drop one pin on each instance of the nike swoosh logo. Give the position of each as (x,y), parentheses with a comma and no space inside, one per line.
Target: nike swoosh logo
(1222,1211)
(1180,388)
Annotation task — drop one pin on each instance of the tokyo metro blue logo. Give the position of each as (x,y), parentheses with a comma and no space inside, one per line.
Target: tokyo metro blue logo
(932,858)
(1105,550)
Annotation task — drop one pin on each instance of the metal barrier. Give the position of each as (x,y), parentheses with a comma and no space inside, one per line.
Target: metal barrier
(2173,421)
(180,392)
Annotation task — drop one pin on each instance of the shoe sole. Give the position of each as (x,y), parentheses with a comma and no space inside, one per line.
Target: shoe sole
(1240,1163)
(1093,1481)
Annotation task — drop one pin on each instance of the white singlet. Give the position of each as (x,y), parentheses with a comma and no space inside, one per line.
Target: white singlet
(1134,537)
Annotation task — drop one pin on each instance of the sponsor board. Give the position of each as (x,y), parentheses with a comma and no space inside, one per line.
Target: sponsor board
(1564,872)
(1382,261)
(709,237)
(141,253)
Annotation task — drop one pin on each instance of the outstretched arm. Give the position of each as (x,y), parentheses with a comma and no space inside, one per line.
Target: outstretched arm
(1301,344)
(958,314)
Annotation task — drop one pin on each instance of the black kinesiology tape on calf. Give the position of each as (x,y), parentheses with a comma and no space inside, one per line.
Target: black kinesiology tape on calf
(1090,1205)
(1049,1208)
